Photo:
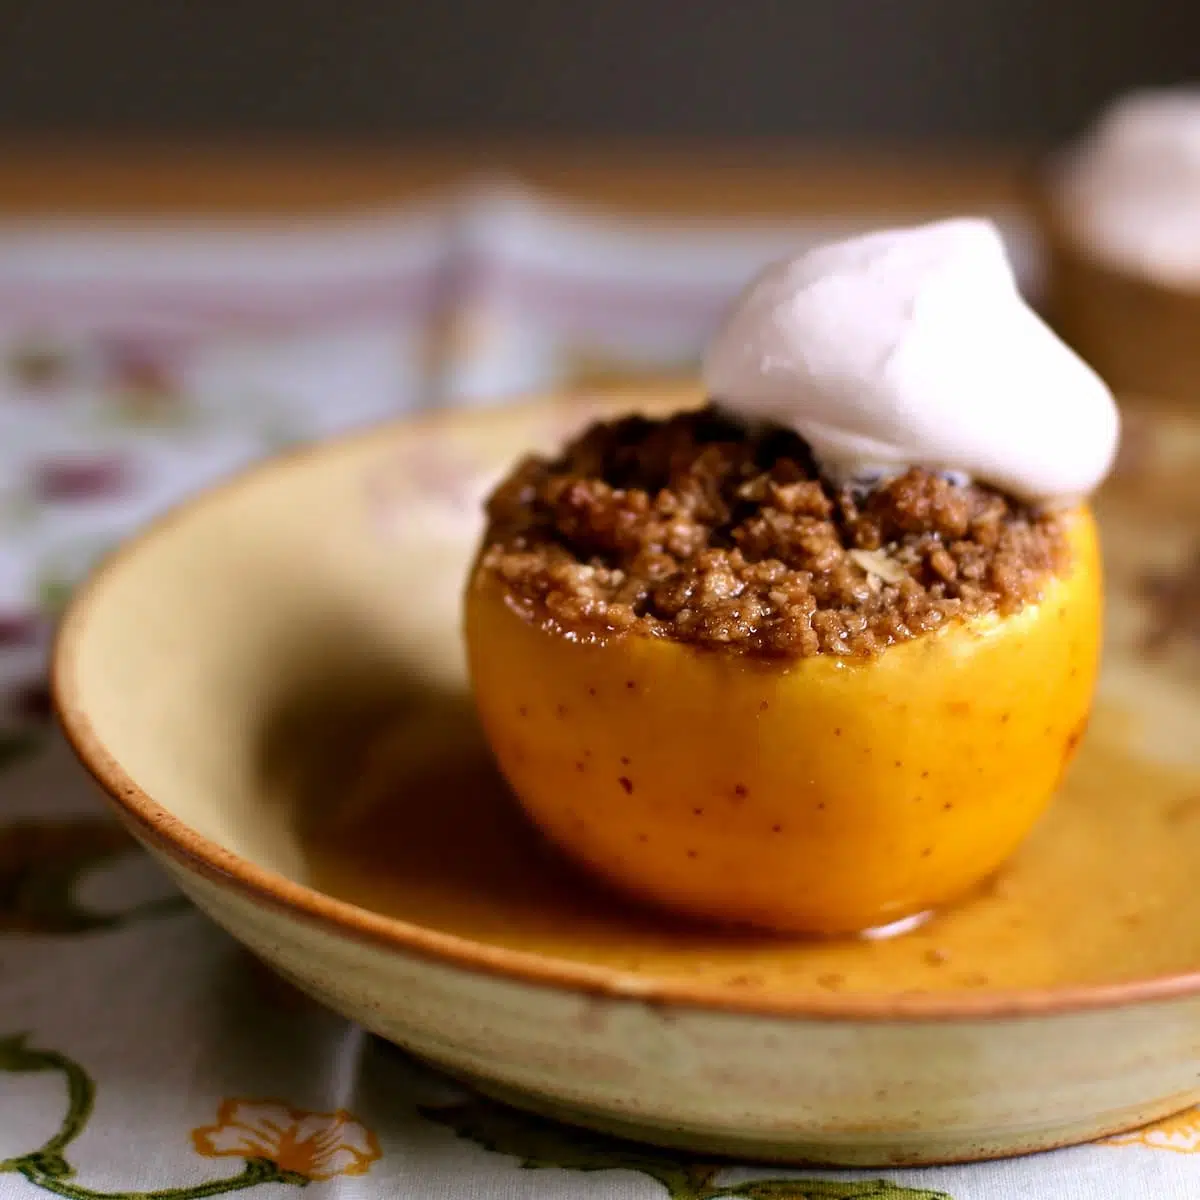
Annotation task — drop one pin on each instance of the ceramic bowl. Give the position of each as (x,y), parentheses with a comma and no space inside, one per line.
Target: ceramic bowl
(221,675)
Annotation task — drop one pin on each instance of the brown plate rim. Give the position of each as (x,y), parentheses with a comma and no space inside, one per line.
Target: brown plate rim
(196,853)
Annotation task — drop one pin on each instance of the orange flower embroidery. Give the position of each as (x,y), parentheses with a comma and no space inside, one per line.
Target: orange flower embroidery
(315,1145)
(1180,1133)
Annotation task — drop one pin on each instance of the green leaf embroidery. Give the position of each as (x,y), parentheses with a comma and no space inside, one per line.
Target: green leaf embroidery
(830,1189)
(15,745)
(54,594)
(17,1057)
(47,1167)
(538,1143)
(41,863)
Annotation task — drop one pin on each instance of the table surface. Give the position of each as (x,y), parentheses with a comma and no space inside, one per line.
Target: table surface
(142,1005)
(768,179)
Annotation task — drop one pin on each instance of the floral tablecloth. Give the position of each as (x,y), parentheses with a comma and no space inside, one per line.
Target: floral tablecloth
(141,1052)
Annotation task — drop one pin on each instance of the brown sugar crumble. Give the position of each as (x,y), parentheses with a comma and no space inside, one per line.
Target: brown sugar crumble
(698,529)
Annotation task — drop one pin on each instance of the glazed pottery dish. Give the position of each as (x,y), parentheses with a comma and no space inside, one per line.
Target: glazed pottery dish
(498,733)
(1120,215)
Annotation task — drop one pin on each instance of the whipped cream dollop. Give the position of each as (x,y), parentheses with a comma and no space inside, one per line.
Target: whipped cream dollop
(1129,190)
(914,347)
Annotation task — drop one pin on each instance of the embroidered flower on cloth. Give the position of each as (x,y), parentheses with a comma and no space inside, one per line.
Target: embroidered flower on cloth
(1180,1133)
(317,1146)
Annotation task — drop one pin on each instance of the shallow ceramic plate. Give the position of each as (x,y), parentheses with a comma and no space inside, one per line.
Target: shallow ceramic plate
(269,683)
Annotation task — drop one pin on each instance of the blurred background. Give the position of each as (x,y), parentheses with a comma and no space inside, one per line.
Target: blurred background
(226,228)
(1016,70)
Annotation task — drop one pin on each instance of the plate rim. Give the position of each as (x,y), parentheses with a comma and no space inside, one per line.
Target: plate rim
(160,829)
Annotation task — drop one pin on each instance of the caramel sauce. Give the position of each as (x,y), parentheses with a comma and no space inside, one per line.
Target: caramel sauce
(1103,891)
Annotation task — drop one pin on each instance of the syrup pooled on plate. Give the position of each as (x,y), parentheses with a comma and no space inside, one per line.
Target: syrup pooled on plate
(1103,891)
